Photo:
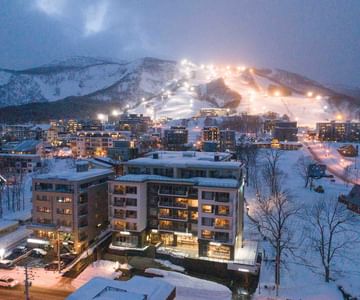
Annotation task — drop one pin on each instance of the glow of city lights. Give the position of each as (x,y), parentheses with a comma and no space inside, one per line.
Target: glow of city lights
(115,113)
(227,67)
(339,117)
(309,94)
(101,117)
(277,93)
(241,68)
(318,97)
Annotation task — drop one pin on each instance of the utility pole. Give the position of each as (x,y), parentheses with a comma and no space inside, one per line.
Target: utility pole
(27,282)
(58,250)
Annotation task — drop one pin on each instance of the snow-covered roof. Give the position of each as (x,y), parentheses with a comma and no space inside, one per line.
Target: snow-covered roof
(73,175)
(186,159)
(198,181)
(137,288)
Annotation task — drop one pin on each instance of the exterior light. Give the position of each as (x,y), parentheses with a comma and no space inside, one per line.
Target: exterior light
(309,94)
(2,253)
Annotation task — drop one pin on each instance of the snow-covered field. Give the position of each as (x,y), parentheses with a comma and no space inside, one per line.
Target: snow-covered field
(298,281)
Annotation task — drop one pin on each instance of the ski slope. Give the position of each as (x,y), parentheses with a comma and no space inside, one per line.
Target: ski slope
(184,102)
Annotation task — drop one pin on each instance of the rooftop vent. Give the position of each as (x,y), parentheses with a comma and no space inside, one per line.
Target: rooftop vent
(82,166)
(155,156)
(216,157)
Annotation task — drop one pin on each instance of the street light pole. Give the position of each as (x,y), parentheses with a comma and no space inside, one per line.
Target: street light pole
(58,250)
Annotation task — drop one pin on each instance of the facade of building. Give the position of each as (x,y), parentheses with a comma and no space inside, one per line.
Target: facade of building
(211,133)
(186,200)
(285,131)
(136,124)
(338,131)
(123,150)
(19,163)
(94,143)
(175,138)
(72,204)
(227,140)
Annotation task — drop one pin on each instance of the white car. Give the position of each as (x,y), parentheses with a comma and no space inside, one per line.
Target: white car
(6,281)
(40,251)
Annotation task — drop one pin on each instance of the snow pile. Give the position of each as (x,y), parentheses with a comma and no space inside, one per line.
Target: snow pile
(170,265)
(102,268)
(191,288)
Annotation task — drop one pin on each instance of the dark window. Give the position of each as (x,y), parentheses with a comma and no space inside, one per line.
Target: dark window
(131,190)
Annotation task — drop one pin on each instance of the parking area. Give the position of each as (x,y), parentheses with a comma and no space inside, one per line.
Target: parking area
(35,258)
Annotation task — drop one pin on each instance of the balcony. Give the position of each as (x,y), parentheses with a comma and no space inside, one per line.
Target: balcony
(83,224)
(82,212)
(173,191)
(176,217)
(119,203)
(172,227)
(119,216)
(119,227)
(172,204)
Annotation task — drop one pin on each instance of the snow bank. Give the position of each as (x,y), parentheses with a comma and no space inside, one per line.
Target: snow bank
(191,288)
(102,268)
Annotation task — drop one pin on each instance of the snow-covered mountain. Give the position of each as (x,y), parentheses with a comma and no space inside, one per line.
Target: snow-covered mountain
(83,76)
(164,88)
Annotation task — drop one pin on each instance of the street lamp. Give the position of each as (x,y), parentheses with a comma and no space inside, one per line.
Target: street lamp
(2,253)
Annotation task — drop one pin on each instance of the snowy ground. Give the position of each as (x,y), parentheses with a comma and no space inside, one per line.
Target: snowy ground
(191,288)
(298,281)
(102,268)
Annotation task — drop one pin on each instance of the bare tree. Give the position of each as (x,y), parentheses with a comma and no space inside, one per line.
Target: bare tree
(271,171)
(273,215)
(303,167)
(330,232)
(248,154)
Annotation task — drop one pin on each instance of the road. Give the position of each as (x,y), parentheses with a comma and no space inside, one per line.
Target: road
(36,293)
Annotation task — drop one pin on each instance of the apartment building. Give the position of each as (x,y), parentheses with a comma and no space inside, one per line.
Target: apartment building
(72,204)
(176,138)
(188,201)
(338,131)
(95,143)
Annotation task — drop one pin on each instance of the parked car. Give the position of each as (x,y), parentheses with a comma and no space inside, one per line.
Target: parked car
(37,252)
(6,264)
(53,266)
(9,282)
(20,250)
(67,257)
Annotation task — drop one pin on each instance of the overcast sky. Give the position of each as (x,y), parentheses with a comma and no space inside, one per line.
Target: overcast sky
(317,38)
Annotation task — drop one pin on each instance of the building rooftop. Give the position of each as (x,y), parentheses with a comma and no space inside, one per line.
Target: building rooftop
(198,181)
(186,159)
(137,288)
(73,175)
